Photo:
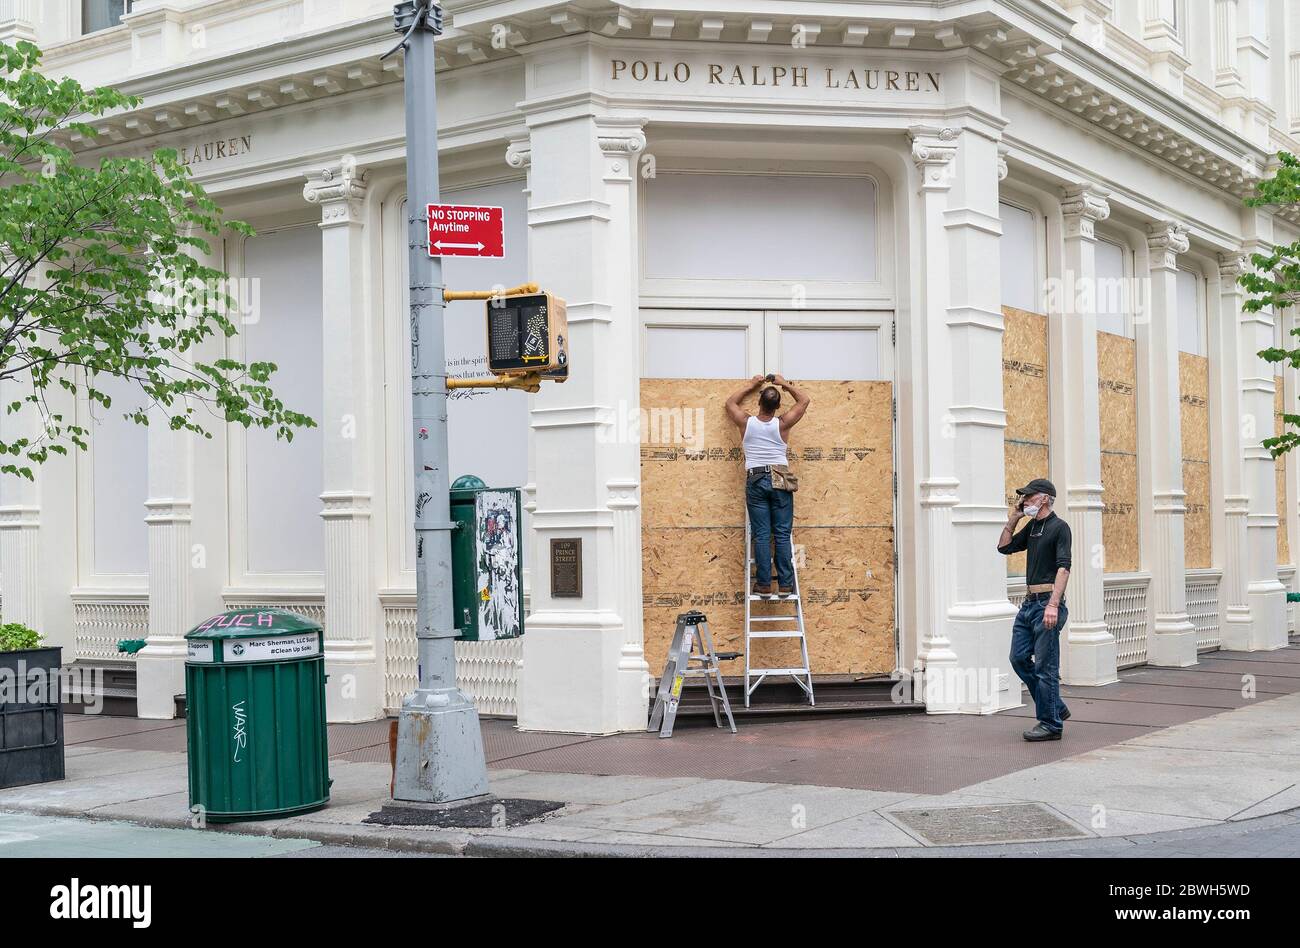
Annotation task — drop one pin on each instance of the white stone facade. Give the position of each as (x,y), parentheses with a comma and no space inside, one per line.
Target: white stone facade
(1137,125)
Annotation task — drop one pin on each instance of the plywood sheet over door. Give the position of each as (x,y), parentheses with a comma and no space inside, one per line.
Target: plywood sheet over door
(693,520)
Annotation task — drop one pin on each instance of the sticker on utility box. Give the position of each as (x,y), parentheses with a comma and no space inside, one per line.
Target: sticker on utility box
(198,650)
(271,649)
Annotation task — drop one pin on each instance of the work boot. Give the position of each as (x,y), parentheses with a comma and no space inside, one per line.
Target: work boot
(759,590)
(785,591)
(1040,733)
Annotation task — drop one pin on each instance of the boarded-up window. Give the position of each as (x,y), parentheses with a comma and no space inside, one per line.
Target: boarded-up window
(1117,385)
(1025,394)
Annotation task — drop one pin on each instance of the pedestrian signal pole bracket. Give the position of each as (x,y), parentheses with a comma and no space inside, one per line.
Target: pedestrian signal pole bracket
(526,383)
(451,296)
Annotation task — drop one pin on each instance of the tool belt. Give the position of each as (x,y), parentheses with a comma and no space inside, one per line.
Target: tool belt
(782,477)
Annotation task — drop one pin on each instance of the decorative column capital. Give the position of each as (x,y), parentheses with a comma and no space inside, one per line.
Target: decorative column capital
(620,137)
(1166,240)
(1233,266)
(519,153)
(339,189)
(1082,205)
(933,150)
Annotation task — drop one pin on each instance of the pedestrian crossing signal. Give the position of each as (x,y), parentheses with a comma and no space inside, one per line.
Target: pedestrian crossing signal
(528,334)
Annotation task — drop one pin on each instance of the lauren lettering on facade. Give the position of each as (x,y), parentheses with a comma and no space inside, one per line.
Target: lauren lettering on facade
(887,80)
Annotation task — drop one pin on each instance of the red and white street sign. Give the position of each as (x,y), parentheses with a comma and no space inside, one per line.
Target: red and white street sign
(463,230)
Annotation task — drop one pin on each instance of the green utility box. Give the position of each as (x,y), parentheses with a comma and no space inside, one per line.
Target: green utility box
(255,715)
(487,563)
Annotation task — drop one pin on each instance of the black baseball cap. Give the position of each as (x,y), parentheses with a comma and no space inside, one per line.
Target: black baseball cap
(1039,485)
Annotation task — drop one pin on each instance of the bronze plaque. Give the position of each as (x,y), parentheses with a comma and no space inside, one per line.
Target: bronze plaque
(566,568)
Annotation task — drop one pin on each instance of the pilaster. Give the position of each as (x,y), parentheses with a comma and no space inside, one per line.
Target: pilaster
(584,665)
(353,616)
(1172,640)
(1088,654)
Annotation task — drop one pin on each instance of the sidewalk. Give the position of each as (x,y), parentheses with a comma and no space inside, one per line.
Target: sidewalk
(1180,753)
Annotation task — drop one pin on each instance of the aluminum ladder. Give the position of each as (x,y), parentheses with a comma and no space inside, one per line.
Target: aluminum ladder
(692,630)
(775,626)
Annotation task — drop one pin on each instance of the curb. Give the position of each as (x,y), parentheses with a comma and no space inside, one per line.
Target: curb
(436,841)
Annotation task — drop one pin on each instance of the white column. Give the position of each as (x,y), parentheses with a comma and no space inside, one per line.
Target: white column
(1172,641)
(1236,630)
(160,666)
(933,151)
(1088,653)
(1265,594)
(38,519)
(584,670)
(353,619)
(18,21)
(979,615)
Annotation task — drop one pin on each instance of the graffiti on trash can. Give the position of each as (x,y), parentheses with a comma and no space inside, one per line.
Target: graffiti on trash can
(240,735)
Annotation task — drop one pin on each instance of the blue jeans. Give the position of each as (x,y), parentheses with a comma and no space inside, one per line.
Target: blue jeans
(771,516)
(1036,657)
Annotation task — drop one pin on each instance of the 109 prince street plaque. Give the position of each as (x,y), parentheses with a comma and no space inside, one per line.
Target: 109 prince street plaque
(566,568)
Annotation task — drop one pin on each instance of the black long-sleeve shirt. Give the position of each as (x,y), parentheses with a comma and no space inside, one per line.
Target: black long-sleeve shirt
(1048,544)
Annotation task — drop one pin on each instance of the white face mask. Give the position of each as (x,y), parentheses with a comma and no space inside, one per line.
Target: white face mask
(1031,511)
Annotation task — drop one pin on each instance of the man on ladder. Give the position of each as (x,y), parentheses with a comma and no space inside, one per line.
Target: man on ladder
(768,481)
(769,502)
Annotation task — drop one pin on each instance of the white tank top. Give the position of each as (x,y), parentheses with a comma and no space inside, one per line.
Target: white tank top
(763,443)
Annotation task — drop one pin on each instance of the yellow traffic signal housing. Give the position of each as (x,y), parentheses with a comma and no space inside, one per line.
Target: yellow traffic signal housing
(528,334)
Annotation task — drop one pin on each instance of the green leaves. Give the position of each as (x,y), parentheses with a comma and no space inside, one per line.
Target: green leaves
(14,636)
(101,277)
(1274,284)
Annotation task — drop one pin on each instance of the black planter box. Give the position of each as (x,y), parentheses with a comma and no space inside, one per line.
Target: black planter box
(31,732)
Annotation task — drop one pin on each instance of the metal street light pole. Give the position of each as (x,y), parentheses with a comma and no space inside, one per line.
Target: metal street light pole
(439,745)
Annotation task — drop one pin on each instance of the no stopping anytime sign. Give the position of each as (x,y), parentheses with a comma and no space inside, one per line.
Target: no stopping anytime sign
(463,230)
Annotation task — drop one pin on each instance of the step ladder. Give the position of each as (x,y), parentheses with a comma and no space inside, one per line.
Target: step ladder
(775,626)
(692,631)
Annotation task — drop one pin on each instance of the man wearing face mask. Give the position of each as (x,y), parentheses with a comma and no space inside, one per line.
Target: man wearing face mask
(1035,637)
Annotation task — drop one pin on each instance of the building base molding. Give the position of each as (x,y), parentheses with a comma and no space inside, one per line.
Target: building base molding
(160,677)
(1172,642)
(981,681)
(1268,607)
(1089,654)
(566,683)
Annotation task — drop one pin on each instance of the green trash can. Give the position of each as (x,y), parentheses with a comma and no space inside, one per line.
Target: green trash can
(255,716)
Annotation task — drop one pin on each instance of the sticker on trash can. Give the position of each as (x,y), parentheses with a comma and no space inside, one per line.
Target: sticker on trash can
(197,650)
(270,649)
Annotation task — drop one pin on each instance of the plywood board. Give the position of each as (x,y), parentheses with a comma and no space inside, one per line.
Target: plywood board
(1196,520)
(1194,422)
(846,580)
(1026,395)
(693,543)
(1119,516)
(1194,405)
(1117,405)
(1279,466)
(1024,463)
(1024,375)
(841,450)
(1117,385)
